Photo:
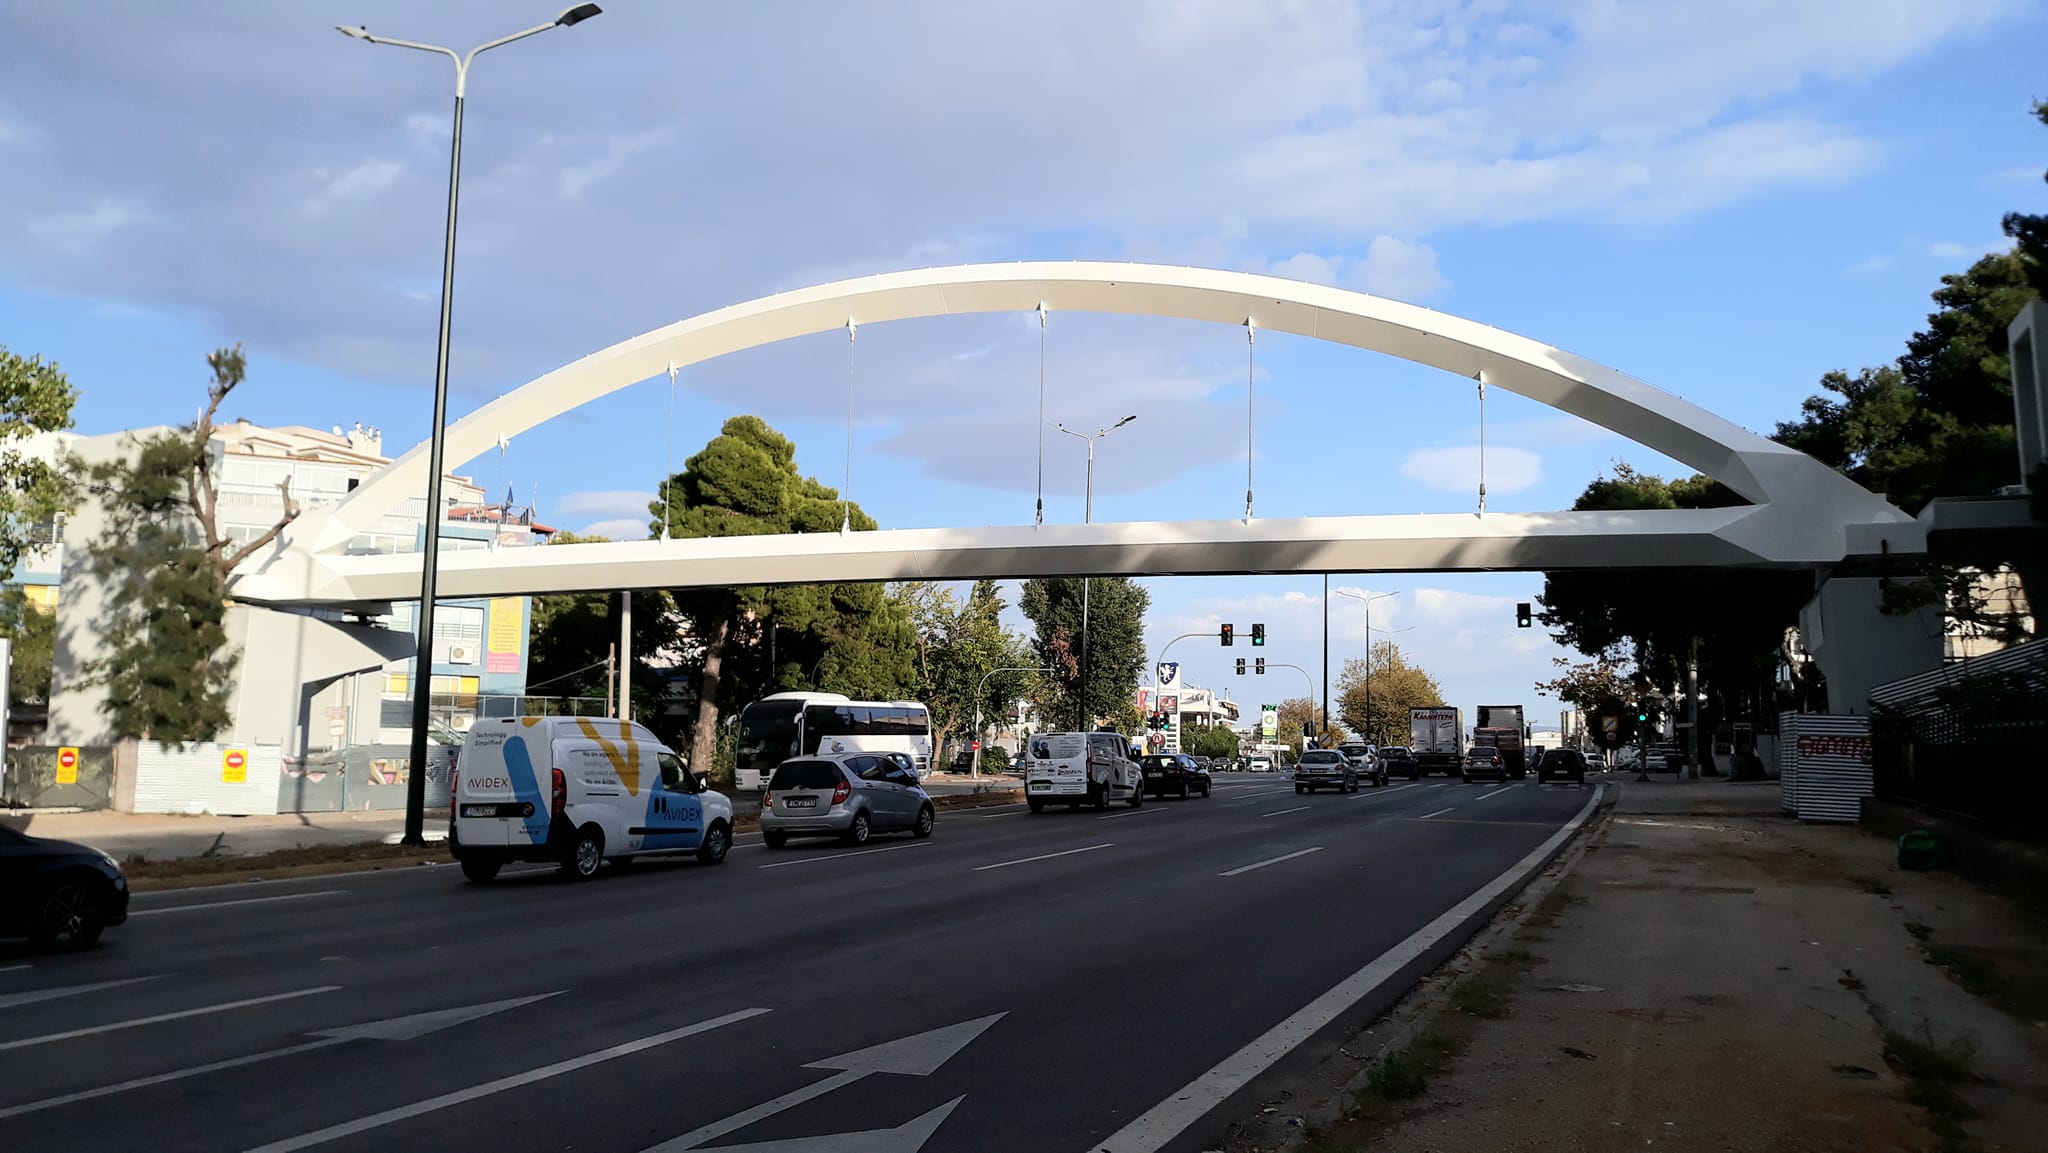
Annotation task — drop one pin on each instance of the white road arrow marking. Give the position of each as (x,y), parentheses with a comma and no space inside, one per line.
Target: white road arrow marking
(915,1056)
(11,1000)
(908,1137)
(391,1029)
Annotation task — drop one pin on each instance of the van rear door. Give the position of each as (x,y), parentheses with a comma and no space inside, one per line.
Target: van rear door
(500,799)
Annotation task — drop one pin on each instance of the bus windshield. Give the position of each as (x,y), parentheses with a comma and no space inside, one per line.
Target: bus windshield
(767,737)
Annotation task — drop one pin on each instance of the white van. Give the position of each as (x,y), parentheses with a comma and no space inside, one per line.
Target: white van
(1060,771)
(577,791)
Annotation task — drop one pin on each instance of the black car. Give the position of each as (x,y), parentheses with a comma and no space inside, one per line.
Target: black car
(1562,765)
(1174,775)
(1401,759)
(57,892)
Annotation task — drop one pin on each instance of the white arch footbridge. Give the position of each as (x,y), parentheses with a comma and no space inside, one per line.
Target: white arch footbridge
(1803,514)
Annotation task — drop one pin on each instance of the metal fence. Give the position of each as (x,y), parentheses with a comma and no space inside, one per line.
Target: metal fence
(365,778)
(1967,739)
(34,778)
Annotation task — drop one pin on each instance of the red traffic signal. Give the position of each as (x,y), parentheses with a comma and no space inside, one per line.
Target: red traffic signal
(1229,634)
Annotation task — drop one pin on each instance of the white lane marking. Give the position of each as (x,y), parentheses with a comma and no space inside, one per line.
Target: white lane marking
(996,810)
(180,1015)
(1128,812)
(842,856)
(1284,812)
(237,901)
(1190,1103)
(1270,861)
(488,1088)
(1438,813)
(1495,793)
(1439,784)
(15,968)
(10,1000)
(1043,857)
(1376,793)
(160,1078)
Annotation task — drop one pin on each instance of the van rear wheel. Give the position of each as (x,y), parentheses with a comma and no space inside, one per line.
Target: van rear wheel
(480,871)
(1036,804)
(586,854)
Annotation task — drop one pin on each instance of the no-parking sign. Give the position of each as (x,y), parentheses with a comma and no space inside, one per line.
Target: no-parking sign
(234,766)
(67,766)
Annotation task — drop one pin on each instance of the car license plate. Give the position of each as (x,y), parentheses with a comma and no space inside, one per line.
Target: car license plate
(511,810)
(800,803)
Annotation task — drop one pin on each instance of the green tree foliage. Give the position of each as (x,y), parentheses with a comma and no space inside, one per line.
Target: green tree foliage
(168,570)
(574,634)
(849,638)
(2030,231)
(35,397)
(1740,616)
(1608,680)
(960,645)
(1116,643)
(33,633)
(1209,741)
(1395,687)
(1298,711)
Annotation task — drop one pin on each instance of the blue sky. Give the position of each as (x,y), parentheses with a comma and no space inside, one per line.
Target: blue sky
(1722,197)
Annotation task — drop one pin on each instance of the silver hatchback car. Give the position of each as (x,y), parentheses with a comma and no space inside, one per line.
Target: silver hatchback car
(851,796)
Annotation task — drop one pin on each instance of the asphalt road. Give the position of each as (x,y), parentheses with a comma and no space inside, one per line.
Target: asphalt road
(1050,978)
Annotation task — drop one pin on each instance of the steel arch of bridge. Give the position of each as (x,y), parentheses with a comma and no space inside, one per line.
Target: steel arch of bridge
(1803,514)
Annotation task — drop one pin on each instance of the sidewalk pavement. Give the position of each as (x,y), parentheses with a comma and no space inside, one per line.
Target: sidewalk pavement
(1712,975)
(161,836)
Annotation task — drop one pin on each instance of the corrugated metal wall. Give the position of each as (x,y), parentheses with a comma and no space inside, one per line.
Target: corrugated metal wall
(198,778)
(1825,764)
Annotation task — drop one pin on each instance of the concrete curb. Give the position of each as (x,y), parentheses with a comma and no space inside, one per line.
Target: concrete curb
(1419,1008)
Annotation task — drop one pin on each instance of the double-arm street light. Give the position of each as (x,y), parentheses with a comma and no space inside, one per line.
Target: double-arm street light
(423,660)
(1088,517)
(1367,602)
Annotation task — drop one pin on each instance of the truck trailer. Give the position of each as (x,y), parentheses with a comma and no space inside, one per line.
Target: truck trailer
(1503,727)
(1436,736)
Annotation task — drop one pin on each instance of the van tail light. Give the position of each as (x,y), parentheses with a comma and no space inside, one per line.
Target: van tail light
(767,800)
(559,804)
(841,791)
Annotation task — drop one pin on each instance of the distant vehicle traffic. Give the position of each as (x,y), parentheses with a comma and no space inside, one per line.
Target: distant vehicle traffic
(1483,762)
(1436,736)
(798,724)
(1259,763)
(1174,775)
(58,892)
(851,796)
(1082,768)
(612,791)
(1325,769)
(1503,727)
(1562,764)
(1401,759)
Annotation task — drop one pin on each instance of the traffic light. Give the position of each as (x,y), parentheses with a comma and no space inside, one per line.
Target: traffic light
(1258,634)
(1229,635)
(1642,716)
(1240,666)
(1261,668)
(1523,618)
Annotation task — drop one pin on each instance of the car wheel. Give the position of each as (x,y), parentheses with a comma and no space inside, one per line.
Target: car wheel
(774,838)
(1300,789)
(1464,778)
(716,842)
(925,820)
(1035,804)
(1101,797)
(1137,797)
(857,832)
(1183,790)
(71,916)
(480,871)
(1207,787)
(586,854)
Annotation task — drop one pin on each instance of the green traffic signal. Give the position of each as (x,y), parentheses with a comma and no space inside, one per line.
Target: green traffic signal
(1258,634)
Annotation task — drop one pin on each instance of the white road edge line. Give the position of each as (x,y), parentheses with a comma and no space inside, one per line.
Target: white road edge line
(237,901)
(1438,813)
(842,856)
(1129,813)
(1190,1103)
(14,968)
(180,1015)
(462,1096)
(1495,793)
(1043,857)
(36,996)
(1284,812)
(1270,861)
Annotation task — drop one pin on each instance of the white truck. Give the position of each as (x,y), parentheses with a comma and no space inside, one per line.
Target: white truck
(1437,738)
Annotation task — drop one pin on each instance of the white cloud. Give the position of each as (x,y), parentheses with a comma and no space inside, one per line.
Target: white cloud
(78,231)
(371,176)
(1874,264)
(615,503)
(1950,250)
(1402,269)
(1456,468)
(624,528)
(617,150)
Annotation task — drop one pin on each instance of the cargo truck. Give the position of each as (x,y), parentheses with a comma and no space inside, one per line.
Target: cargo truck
(1502,727)
(1437,738)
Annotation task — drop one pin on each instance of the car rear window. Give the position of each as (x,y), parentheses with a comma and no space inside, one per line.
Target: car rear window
(805,775)
(1320,759)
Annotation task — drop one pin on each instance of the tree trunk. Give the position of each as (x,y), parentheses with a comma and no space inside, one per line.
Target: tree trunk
(704,738)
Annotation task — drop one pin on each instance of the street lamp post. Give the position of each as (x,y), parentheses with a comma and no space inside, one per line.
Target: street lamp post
(423,658)
(1088,517)
(1367,601)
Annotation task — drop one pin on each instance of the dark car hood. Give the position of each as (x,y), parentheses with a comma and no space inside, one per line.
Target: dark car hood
(43,847)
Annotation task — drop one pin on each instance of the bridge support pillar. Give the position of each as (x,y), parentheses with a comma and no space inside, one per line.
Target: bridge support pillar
(1858,646)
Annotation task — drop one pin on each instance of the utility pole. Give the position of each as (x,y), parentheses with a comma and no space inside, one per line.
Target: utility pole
(1326,654)
(1692,708)
(626,655)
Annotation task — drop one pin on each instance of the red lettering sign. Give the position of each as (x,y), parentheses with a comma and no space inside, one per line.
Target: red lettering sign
(1813,745)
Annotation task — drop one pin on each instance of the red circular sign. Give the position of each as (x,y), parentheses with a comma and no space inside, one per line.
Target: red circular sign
(68,758)
(235,760)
